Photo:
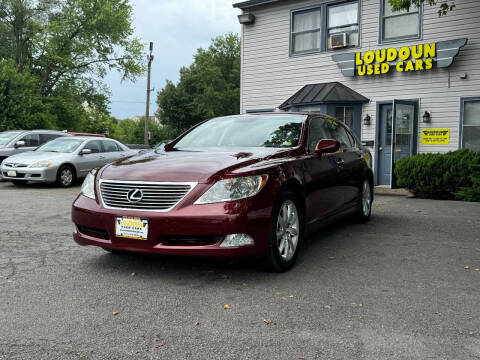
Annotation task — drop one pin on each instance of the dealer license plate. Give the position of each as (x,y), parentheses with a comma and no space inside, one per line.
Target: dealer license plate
(131,227)
(12,173)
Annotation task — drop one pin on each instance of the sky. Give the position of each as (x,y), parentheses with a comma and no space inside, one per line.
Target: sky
(177,28)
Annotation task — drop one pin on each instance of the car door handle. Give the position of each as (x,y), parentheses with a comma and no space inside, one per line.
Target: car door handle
(102,157)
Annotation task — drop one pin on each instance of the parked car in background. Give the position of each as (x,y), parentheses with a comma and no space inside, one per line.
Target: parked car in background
(246,185)
(63,160)
(86,134)
(18,141)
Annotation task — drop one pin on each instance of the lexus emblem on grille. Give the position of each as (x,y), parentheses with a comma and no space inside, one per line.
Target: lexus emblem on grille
(135,195)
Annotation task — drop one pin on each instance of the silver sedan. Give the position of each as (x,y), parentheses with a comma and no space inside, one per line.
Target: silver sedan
(63,160)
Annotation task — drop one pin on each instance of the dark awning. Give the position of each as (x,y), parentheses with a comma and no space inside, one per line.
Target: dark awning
(251,3)
(327,93)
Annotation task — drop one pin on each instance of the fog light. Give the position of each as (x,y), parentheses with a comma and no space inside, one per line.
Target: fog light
(236,240)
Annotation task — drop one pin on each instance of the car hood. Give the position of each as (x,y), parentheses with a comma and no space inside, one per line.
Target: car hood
(30,157)
(188,166)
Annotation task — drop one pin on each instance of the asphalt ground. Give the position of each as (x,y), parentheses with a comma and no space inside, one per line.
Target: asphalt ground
(395,288)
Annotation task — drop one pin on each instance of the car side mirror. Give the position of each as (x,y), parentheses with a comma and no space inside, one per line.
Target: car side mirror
(326,146)
(20,143)
(85,151)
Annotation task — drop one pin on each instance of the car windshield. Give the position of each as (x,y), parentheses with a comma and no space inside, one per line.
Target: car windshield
(273,131)
(7,136)
(61,145)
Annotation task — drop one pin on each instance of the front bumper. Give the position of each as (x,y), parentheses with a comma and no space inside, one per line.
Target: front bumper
(205,226)
(48,175)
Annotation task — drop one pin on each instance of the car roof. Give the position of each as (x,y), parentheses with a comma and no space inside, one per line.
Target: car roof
(316,113)
(40,131)
(85,137)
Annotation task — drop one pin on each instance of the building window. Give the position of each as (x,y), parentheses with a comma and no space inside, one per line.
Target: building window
(306,30)
(345,115)
(471,125)
(399,24)
(342,25)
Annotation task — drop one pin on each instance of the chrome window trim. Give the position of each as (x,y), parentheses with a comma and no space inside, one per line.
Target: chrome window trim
(101,181)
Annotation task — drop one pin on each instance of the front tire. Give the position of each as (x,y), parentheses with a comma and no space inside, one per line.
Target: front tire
(286,233)
(365,202)
(66,176)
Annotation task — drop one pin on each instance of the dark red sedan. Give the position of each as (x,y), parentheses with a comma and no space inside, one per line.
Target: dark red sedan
(246,185)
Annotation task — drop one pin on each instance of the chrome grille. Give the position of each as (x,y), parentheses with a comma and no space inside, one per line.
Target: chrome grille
(156,196)
(12,165)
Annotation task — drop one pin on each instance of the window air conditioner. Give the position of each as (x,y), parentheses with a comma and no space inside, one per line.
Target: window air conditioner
(339,40)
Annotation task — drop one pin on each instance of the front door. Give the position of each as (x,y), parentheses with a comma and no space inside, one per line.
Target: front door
(385,144)
(397,136)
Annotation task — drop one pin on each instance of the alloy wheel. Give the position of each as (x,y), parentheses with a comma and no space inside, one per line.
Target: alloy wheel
(287,230)
(366,199)
(66,177)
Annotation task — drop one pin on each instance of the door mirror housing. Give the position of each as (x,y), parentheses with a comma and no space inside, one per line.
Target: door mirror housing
(85,151)
(20,143)
(326,146)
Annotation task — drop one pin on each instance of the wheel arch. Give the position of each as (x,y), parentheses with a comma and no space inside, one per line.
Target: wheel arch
(370,179)
(75,171)
(294,186)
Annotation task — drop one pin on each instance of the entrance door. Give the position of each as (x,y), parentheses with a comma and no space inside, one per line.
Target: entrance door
(398,127)
(385,144)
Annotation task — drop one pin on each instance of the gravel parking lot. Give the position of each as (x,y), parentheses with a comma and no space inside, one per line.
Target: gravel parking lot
(395,288)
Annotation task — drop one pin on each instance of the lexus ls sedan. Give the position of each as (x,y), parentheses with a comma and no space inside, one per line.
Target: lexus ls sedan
(246,185)
(63,160)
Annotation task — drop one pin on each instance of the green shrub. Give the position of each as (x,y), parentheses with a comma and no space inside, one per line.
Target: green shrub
(471,193)
(440,176)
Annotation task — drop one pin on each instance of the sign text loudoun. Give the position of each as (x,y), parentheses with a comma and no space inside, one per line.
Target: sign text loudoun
(407,58)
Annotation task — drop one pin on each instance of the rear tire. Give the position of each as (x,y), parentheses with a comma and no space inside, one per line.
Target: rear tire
(286,233)
(66,176)
(365,202)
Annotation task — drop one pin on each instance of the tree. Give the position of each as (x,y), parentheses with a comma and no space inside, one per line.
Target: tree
(21,105)
(69,40)
(62,49)
(209,87)
(445,5)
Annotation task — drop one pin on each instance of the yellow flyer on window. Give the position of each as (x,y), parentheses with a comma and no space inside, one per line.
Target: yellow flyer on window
(435,136)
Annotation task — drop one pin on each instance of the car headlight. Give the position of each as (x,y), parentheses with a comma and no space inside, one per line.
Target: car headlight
(233,189)
(88,186)
(41,164)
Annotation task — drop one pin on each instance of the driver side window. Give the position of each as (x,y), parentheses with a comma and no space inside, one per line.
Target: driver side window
(340,134)
(95,146)
(316,132)
(31,140)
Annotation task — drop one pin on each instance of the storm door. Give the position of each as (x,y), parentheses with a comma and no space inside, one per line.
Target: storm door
(404,129)
(397,137)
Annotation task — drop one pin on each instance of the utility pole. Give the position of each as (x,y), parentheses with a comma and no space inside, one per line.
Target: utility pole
(147,111)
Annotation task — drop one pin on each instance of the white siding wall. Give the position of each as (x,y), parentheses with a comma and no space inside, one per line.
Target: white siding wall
(270,75)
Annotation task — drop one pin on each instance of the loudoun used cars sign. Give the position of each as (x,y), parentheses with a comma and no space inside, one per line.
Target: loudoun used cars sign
(407,58)
(419,57)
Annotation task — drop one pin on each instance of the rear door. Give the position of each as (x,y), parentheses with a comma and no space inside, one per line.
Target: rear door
(112,151)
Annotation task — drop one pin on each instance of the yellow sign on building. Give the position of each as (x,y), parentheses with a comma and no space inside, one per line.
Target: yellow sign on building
(407,58)
(435,136)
